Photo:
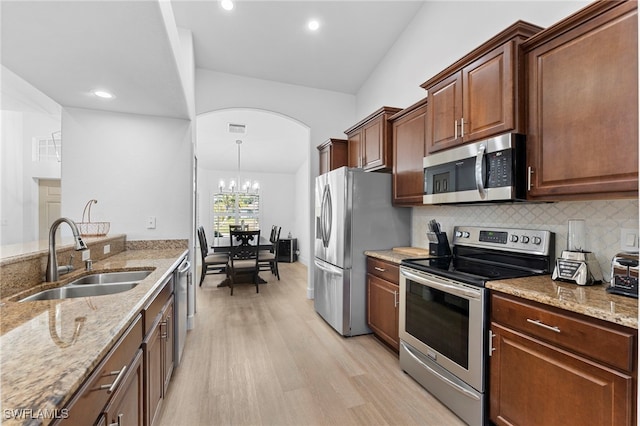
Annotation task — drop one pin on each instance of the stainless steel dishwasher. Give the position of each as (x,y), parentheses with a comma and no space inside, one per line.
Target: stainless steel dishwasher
(182,281)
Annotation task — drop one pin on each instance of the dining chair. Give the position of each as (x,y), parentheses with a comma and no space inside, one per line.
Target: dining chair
(268,259)
(212,263)
(243,257)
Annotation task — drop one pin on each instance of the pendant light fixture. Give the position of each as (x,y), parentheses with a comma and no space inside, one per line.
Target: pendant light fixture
(234,185)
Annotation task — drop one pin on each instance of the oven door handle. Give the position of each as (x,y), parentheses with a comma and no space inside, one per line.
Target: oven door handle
(437,284)
(448,381)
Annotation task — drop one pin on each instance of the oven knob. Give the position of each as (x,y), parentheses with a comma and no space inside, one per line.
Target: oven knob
(537,240)
(525,239)
(458,234)
(465,234)
(514,238)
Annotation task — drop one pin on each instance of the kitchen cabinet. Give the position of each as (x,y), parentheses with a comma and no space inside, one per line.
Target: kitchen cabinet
(127,405)
(409,128)
(115,375)
(383,300)
(369,141)
(550,366)
(333,154)
(158,350)
(481,94)
(582,139)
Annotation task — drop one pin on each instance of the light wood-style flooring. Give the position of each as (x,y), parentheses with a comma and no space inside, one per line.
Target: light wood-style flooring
(270,359)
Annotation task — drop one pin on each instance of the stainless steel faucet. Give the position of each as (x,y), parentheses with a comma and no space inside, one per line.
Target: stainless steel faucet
(53,271)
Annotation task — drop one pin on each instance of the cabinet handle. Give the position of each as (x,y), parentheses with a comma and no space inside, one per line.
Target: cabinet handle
(543,325)
(163,329)
(377,268)
(395,299)
(529,173)
(118,421)
(111,387)
(455,129)
(462,127)
(491,348)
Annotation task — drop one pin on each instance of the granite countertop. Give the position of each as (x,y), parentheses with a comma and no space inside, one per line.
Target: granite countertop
(592,301)
(44,359)
(396,256)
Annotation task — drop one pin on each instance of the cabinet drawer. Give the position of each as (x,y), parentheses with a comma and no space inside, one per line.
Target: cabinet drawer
(383,269)
(607,343)
(154,307)
(88,403)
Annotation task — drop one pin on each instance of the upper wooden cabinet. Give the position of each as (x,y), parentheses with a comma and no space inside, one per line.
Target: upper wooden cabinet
(333,154)
(582,139)
(369,141)
(409,128)
(481,94)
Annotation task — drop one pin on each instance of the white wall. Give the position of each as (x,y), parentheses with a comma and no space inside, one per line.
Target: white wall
(19,173)
(134,165)
(440,34)
(301,224)
(277,196)
(326,113)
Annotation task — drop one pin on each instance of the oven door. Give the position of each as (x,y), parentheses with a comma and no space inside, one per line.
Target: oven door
(445,321)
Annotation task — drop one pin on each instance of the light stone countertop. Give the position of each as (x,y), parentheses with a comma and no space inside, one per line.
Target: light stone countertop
(41,366)
(592,301)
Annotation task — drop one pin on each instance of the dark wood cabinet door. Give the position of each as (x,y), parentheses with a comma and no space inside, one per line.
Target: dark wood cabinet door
(373,144)
(583,106)
(382,309)
(444,113)
(354,156)
(534,383)
(154,377)
(169,338)
(324,156)
(488,94)
(126,406)
(409,133)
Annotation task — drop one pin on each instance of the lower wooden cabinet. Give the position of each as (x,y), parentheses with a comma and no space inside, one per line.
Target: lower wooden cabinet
(549,366)
(158,353)
(383,301)
(127,405)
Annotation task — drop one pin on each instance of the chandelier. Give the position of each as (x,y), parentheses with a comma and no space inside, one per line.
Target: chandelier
(234,184)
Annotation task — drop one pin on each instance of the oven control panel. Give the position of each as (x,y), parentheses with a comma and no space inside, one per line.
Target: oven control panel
(534,241)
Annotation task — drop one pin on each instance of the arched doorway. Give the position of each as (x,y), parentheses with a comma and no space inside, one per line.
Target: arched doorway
(274,152)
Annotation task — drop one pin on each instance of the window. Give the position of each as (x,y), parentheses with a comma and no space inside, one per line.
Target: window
(235,209)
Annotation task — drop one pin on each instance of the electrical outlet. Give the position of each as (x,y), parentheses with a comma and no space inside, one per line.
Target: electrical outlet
(106,249)
(151,222)
(86,254)
(629,239)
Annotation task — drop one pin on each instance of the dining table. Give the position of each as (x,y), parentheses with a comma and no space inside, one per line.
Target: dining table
(223,245)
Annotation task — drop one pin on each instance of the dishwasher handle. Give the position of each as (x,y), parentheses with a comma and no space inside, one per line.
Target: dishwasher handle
(187,266)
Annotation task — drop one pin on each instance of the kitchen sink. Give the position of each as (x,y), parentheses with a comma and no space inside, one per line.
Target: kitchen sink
(70,291)
(98,284)
(111,278)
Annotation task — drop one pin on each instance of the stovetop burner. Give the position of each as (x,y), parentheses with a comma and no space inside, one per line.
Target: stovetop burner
(485,254)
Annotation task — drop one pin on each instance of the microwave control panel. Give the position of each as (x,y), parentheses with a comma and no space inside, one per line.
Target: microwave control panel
(500,170)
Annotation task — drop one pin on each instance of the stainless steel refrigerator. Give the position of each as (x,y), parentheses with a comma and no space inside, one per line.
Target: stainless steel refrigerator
(353,213)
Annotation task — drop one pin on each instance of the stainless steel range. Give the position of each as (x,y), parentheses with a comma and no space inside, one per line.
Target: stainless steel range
(444,334)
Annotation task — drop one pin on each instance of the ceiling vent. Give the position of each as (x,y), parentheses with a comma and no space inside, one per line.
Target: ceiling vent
(237,128)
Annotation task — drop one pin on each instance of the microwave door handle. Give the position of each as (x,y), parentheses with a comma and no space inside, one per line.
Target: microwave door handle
(479,176)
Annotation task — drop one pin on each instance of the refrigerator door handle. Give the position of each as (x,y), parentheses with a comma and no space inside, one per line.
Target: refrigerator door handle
(326,216)
(328,268)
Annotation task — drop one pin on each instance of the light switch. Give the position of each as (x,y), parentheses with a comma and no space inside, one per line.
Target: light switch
(629,239)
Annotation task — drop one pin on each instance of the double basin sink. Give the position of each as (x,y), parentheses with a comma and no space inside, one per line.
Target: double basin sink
(92,285)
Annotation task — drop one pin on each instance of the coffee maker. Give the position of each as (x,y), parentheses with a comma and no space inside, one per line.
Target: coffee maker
(577,265)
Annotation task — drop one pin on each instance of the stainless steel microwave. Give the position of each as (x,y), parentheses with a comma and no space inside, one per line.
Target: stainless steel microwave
(491,170)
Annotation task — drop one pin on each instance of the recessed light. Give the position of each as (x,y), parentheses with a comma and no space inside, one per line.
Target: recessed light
(226,4)
(313,25)
(103,94)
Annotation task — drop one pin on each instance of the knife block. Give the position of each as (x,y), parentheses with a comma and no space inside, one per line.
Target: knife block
(441,247)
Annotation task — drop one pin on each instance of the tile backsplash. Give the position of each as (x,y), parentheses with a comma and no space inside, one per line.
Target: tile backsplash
(603,219)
